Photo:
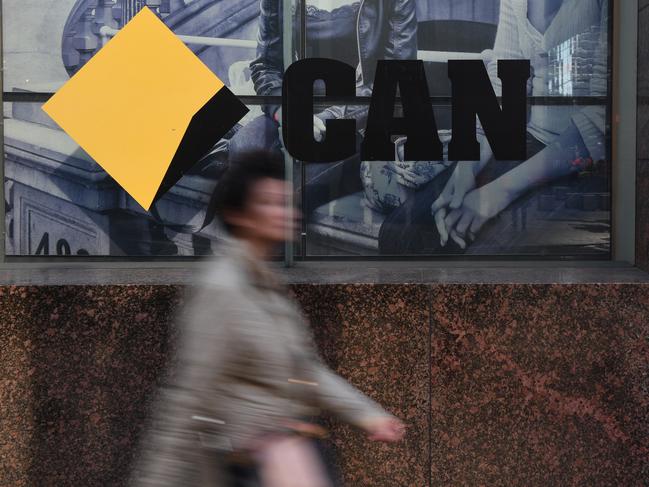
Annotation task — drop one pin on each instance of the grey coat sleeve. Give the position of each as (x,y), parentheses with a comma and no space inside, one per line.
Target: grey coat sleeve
(259,346)
(331,392)
(335,394)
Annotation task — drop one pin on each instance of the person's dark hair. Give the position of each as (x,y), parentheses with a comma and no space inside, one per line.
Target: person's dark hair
(233,188)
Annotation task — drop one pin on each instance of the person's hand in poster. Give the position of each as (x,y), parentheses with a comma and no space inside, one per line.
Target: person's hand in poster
(566,155)
(411,174)
(319,127)
(478,206)
(450,200)
(463,181)
(407,176)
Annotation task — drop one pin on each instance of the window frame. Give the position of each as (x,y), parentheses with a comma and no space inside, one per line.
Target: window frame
(621,141)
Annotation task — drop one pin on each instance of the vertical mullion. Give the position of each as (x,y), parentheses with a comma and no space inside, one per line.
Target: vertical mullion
(301,9)
(287,36)
(301,4)
(3,219)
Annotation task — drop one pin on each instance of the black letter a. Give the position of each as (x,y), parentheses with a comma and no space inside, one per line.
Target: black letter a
(418,124)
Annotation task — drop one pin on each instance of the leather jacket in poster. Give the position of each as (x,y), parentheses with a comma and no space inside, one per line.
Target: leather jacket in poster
(386,29)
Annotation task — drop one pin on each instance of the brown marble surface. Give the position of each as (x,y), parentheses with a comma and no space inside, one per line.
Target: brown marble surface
(78,365)
(501,385)
(642,209)
(540,386)
(642,168)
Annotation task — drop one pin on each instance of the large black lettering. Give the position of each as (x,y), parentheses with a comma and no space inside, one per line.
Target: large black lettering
(297,112)
(418,122)
(473,95)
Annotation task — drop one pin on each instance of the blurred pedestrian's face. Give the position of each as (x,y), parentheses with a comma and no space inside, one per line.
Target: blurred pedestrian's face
(266,215)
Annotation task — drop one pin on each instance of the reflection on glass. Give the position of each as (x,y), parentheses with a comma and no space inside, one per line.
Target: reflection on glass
(570,67)
(565,41)
(43,47)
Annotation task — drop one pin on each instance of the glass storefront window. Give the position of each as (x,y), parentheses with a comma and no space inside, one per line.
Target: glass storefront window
(556,203)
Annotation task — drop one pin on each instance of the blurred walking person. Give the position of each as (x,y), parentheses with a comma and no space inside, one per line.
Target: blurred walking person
(246,376)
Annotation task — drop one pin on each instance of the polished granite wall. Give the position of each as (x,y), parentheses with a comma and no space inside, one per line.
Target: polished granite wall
(501,384)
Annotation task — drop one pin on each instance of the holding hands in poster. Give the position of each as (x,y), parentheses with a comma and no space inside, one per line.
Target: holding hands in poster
(560,142)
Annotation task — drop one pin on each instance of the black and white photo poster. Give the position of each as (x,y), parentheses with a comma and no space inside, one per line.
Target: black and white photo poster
(554,203)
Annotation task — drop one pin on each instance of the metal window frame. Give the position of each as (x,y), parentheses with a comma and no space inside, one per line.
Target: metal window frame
(623,52)
(622,100)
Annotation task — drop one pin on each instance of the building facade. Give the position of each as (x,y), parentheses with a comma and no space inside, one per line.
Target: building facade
(516,348)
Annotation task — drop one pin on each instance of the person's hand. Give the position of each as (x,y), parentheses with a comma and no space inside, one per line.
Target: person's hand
(460,183)
(479,206)
(406,176)
(405,171)
(384,428)
(319,128)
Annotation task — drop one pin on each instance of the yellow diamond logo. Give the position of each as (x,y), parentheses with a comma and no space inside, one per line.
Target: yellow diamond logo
(145,108)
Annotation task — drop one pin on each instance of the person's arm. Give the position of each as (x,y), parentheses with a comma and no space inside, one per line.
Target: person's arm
(561,158)
(568,154)
(267,69)
(580,144)
(330,392)
(402,31)
(335,394)
(461,183)
(508,43)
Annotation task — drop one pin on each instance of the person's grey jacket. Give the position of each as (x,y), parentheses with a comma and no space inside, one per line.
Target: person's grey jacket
(245,365)
(387,29)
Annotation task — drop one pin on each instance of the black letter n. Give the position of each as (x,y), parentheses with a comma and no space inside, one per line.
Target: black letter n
(473,95)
